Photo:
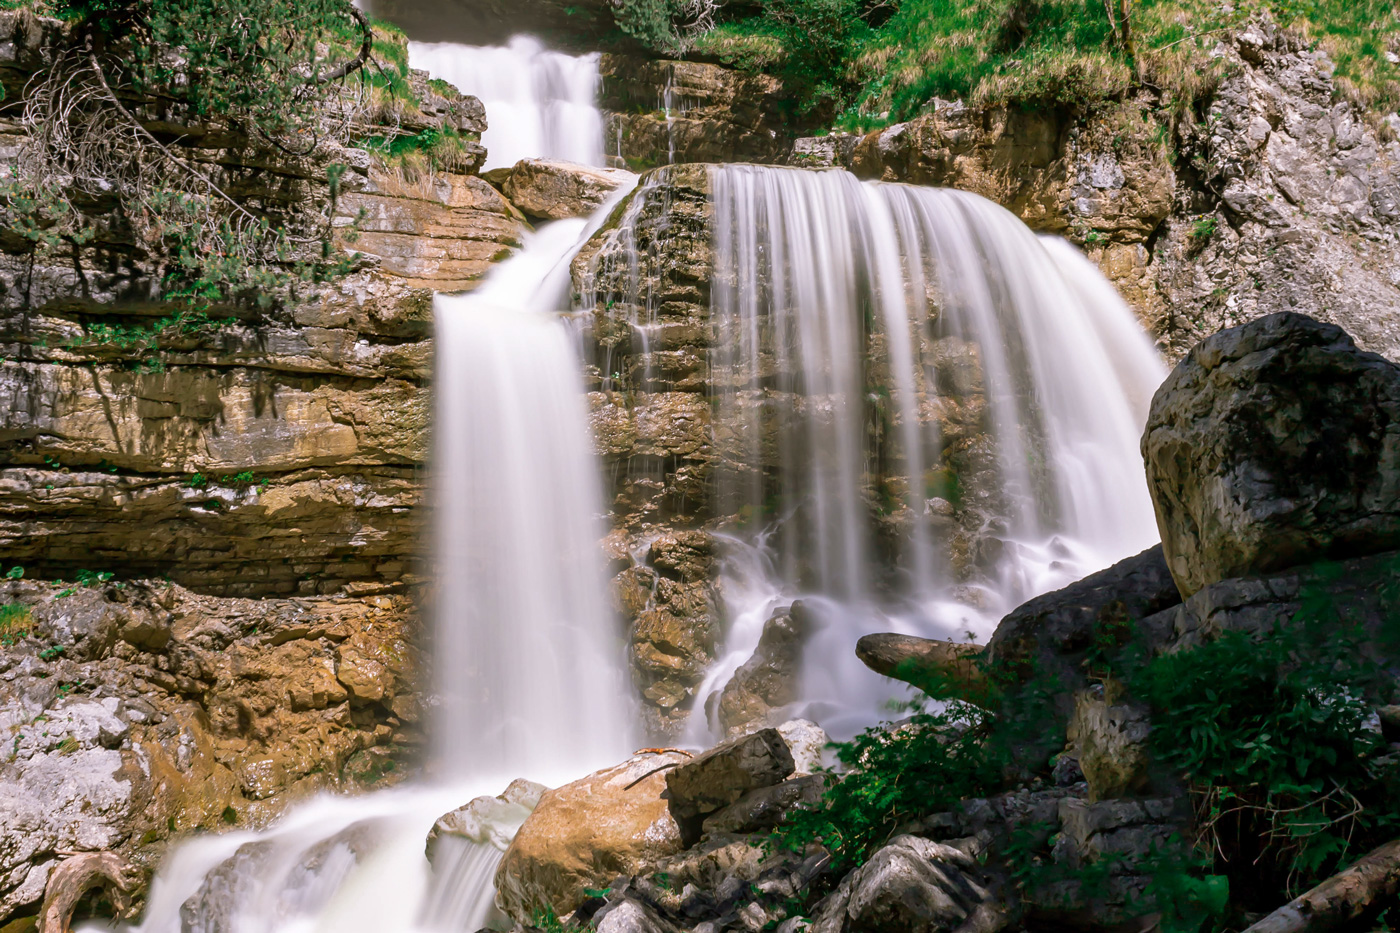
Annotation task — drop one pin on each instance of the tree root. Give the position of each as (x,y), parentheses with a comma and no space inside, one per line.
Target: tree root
(1341,898)
(75,877)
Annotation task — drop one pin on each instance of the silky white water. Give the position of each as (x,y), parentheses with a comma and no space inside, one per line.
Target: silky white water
(539,104)
(851,317)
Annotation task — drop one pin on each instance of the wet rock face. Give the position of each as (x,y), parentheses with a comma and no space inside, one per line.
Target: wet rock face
(767,682)
(1273,444)
(673,112)
(143,711)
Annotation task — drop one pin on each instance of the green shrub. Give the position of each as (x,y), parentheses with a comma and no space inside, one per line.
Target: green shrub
(1272,734)
(897,773)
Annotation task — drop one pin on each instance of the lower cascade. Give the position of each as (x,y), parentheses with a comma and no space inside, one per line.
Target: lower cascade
(528,670)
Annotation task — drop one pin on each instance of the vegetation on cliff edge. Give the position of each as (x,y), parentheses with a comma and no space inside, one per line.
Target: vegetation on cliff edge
(864,63)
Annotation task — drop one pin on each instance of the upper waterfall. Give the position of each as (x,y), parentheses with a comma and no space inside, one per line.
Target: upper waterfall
(539,104)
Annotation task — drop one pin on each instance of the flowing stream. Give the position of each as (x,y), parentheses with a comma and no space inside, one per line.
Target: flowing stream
(935,416)
(528,676)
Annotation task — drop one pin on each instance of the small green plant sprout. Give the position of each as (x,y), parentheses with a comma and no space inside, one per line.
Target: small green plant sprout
(92,577)
(15,573)
(51,652)
(197,481)
(1094,238)
(69,745)
(1203,229)
(15,623)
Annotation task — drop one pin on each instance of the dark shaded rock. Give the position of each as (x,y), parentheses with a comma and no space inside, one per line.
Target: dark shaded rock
(723,775)
(1111,740)
(1274,444)
(767,682)
(765,807)
(1051,633)
(1255,605)
(927,663)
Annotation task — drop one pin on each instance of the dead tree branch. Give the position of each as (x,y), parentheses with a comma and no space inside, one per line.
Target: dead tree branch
(1342,898)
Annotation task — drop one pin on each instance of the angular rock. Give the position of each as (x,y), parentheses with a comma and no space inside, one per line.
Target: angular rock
(807,741)
(584,834)
(724,774)
(1274,444)
(914,885)
(553,190)
(1112,744)
(1049,638)
(943,668)
(767,682)
(765,807)
(630,916)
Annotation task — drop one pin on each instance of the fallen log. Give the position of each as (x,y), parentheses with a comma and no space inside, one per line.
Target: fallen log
(75,877)
(1342,898)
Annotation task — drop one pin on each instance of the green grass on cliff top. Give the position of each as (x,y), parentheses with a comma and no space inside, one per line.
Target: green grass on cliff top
(1047,51)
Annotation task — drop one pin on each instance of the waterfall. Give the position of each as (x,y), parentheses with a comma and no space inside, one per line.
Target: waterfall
(539,104)
(936,417)
(528,663)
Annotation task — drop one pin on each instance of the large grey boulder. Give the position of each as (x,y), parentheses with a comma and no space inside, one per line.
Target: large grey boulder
(913,885)
(1273,444)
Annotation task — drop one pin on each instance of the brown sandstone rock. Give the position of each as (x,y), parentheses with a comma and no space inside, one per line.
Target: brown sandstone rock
(585,834)
(927,663)
(143,711)
(767,682)
(553,190)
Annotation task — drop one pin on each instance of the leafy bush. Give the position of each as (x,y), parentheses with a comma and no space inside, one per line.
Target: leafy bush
(1273,735)
(898,772)
(260,62)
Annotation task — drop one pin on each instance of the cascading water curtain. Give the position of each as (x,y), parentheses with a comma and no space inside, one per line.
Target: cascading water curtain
(927,414)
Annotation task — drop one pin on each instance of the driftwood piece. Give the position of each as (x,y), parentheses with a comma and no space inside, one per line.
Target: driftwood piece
(1341,898)
(75,877)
